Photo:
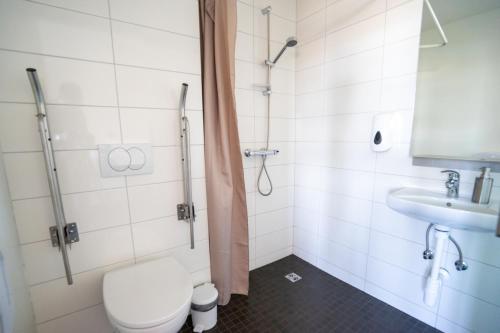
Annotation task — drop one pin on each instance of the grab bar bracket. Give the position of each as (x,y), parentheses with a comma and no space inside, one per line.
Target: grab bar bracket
(71,235)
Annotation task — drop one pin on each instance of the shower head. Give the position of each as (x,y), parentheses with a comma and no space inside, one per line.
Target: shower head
(290,42)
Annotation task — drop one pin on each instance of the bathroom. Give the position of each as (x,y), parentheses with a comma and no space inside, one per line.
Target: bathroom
(316,172)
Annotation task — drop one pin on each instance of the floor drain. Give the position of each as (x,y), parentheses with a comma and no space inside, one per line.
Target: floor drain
(293,277)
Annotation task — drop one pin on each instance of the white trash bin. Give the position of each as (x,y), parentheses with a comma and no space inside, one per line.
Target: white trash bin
(204,307)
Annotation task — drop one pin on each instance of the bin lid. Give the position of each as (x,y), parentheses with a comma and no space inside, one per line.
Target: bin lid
(204,294)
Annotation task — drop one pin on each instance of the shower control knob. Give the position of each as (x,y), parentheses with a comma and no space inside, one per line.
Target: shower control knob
(461,265)
(428,254)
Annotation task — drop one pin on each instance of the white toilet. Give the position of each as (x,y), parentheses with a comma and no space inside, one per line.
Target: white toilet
(150,297)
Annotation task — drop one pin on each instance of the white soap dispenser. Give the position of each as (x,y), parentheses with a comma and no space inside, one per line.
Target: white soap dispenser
(381,138)
(483,187)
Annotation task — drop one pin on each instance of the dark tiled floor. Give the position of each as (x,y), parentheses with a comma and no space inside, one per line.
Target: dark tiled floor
(317,303)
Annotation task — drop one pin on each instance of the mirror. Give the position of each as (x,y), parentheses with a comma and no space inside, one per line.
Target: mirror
(457,108)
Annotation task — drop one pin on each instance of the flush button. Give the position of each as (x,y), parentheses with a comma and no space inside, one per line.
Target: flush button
(119,159)
(137,157)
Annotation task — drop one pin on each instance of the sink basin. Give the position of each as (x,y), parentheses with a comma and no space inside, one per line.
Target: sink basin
(436,208)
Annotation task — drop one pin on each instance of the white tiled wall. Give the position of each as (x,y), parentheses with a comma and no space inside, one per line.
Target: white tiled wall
(270,218)
(357,59)
(112,73)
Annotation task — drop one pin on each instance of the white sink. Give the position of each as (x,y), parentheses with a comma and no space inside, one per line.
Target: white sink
(436,208)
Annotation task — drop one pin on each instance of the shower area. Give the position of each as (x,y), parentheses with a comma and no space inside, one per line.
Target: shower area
(265,98)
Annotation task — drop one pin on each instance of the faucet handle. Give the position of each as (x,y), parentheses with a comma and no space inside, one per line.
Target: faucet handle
(452,174)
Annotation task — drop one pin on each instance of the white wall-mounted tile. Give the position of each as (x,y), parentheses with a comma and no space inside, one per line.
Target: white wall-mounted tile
(346,259)
(357,184)
(139,87)
(244,47)
(347,234)
(283,8)
(341,274)
(272,257)
(273,221)
(154,201)
(348,209)
(94,7)
(97,210)
(398,93)
(167,167)
(93,319)
(84,36)
(274,241)
(158,127)
(33,219)
(158,235)
(310,105)
(401,58)
(414,310)
(281,28)
(361,67)
(344,13)
(245,17)
(278,200)
(308,7)
(79,171)
(348,128)
(139,46)
(310,54)
(159,14)
(15,119)
(309,80)
(469,312)
(27,175)
(244,102)
(311,28)
(358,98)
(83,127)
(64,81)
(364,36)
(403,21)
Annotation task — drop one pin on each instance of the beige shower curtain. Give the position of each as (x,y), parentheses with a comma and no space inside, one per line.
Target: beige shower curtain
(227,210)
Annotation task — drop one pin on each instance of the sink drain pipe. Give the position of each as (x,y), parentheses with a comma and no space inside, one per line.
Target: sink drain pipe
(438,273)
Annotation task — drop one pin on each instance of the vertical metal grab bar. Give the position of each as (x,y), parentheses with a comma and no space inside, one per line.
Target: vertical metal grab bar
(50,164)
(185,211)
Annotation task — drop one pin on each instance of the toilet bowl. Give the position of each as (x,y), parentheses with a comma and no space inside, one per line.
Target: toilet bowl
(150,297)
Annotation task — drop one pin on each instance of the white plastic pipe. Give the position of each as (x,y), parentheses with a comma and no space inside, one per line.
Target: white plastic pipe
(434,281)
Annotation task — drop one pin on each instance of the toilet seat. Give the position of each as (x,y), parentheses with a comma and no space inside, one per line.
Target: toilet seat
(148,294)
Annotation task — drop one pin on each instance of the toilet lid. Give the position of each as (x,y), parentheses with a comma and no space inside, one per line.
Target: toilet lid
(147,294)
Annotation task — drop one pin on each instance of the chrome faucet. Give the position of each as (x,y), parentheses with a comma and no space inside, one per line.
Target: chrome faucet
(453,183)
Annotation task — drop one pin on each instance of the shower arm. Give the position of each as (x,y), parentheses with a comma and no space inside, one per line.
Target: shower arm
(439,27)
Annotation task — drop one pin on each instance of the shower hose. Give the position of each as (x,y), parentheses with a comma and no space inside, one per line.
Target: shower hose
(263,168)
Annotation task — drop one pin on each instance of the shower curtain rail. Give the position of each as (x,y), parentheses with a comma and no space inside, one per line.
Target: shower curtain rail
(62,234)
(438,26)
(185,211)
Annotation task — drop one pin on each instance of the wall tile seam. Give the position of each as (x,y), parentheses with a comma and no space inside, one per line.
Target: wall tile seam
(104,189)
(319,237)
(159,218)
(49,55)
(324,8)
(89,149)
(272,232)
(138,108)
(271,253)
(341,85)
(317,11)
(421,306)
(129,260)
(460,291)
(109,17)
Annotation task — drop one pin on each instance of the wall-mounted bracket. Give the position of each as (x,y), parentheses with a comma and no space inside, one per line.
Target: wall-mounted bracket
(183,213)
(70,235)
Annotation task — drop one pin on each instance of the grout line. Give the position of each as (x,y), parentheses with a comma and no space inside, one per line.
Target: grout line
(110,18)
(121,133)
(97,61)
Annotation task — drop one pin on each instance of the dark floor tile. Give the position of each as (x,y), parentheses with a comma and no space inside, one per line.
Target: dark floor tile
(317,303)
